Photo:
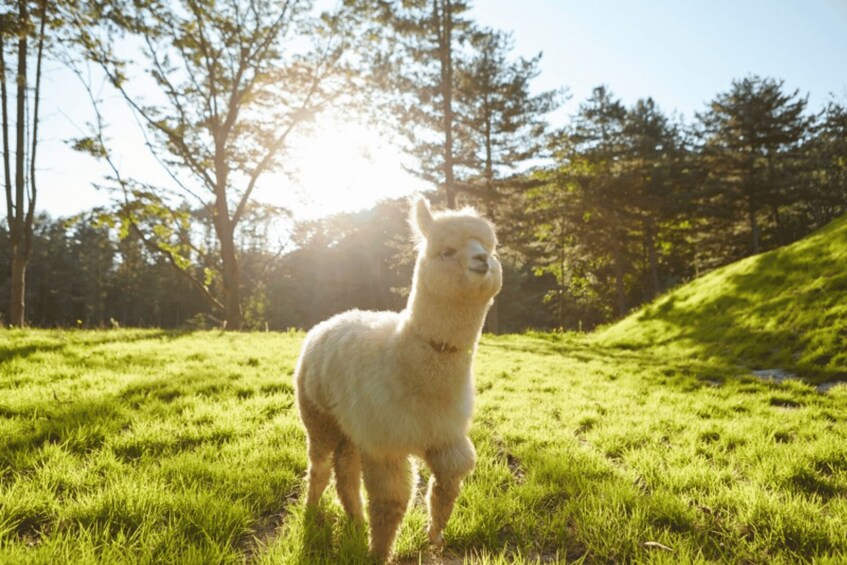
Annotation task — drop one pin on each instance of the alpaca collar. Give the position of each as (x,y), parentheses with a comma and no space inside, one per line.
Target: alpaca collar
(443,347)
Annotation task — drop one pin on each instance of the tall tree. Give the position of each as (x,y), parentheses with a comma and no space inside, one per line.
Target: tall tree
(596,146)
(501,122)
(749,134)
(825,172)
(233,80)
(653,159)
(22,23)
(580,219)
(416,65)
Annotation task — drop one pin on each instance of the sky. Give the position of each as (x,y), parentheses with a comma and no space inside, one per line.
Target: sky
(679,52)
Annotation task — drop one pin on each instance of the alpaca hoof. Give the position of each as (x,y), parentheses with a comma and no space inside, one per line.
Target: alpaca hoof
(436,539)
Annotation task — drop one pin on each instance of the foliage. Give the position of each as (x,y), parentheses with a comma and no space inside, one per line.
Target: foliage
(414,50)
(232,80)
(606,220)
(501,123)
(751,137)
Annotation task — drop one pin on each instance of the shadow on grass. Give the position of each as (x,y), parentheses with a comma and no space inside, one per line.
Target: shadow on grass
(626,358)
(10,351)
(782,309)
(82,426)
(319,537)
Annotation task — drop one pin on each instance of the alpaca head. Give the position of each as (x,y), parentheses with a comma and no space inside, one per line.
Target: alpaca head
(456,257)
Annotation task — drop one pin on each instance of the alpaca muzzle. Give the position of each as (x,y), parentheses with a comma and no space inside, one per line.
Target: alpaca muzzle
(480,264)
(479,258)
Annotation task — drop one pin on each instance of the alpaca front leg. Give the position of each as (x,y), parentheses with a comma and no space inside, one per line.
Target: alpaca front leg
(449,466)
(389,485)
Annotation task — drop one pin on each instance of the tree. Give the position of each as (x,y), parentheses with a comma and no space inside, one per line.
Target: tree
(652,165)
(416,66)
(824,176)
(19,26)
(596,148)
(749,135)
(233,80)
(501,123)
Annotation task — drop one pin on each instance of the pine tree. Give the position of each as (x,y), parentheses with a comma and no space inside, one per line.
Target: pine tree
(824,178)
(414,62)
(652,163)
(597,150)
(501,122)
(749,136)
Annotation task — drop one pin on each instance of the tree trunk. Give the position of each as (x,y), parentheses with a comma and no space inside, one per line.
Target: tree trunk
(754,226)
(444,24)
(493,320)
(17,312)
(653,263)
(232,293)
(225,230)
(617,257)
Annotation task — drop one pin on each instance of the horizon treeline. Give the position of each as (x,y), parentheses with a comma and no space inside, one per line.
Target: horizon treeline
(630,203)
(594,217)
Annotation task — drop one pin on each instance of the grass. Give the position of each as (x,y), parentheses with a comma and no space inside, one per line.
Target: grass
(783,309)
(649,441)
(145,446)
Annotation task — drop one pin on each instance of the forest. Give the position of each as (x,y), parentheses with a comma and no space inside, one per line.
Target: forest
(595,216)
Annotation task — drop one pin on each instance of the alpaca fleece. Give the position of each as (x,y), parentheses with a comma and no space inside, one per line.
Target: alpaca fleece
(374,388)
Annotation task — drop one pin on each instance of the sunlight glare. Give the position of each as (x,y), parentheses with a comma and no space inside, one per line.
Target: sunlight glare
(345,167)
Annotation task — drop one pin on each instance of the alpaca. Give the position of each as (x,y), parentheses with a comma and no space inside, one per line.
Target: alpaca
(374,388)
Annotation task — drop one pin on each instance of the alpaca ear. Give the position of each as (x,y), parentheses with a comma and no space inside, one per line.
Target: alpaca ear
(420,218)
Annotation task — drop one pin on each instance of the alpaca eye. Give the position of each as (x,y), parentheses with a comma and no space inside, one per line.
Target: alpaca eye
(448,252)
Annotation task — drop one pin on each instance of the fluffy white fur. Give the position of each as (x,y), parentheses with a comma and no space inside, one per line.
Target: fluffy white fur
(374,388)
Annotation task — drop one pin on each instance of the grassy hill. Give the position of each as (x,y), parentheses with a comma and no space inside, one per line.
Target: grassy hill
(786,309)
(650,441)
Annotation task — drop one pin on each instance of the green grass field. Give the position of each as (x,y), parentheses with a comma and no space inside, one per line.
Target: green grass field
(648,441)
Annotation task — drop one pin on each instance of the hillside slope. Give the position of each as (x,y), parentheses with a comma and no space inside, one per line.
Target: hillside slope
(785,309)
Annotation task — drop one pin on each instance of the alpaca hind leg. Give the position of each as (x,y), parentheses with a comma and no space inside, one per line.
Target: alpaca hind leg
(348,479)
(389,485)
(449,466)
(320,467)
(323,437)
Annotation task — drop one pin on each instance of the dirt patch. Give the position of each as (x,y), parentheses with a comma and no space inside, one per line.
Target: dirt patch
(774,375)
(511,461)
(826,387)
(267,529)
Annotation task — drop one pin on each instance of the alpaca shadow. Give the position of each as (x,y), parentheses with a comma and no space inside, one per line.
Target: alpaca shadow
(328,539)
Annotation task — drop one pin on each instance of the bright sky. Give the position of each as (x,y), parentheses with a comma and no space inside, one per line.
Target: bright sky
(682,53)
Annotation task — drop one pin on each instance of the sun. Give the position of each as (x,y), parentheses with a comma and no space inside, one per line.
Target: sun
(345,166)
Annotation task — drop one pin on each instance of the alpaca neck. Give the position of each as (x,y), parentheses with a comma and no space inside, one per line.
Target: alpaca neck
(438,321)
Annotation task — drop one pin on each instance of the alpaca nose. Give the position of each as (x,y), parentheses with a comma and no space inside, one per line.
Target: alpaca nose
(480,263)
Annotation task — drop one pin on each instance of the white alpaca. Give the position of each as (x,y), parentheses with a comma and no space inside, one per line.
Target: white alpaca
(374,388)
